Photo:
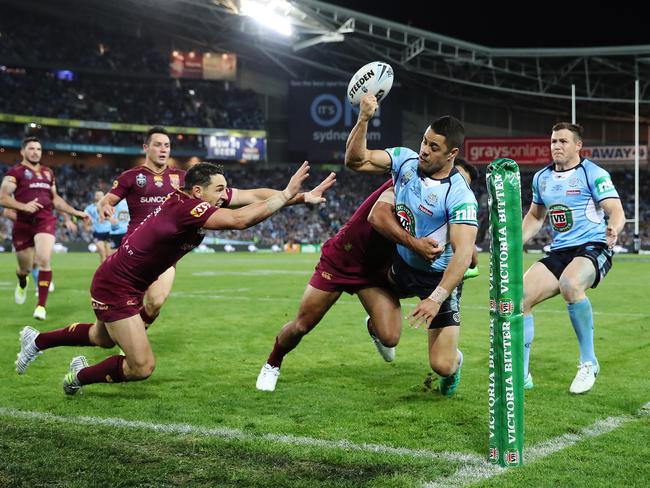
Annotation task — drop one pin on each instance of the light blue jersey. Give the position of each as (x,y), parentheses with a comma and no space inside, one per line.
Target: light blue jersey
(426,206)
(572,198)
(98,227)
(122,215)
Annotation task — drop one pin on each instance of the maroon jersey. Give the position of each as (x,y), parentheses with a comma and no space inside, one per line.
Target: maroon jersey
(357,249)
(145,190)
(166,235)
(31,184)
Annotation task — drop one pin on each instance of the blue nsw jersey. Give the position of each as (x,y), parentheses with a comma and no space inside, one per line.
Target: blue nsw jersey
(98,227)
(122,216)
(572,198)
(426,206)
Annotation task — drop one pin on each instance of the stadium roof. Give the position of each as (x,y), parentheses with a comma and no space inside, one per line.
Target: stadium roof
(332,41)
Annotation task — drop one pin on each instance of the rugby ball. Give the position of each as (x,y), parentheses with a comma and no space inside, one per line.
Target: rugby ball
(375,78)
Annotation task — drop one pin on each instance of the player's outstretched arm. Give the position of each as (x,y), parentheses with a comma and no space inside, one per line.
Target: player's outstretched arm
(383,220)
(462,238)
(106,206)
(532,222)
(616,219)
(357,155)
(246,197)
(62,206)
(254,213)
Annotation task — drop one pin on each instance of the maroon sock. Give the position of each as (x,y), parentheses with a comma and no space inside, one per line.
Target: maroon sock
(146,318)
(277,354)
(44,279)
(22,280)
(72,335)
(108,371)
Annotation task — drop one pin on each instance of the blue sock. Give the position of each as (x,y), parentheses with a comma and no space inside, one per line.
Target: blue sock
(35,276)
(529,333)
(583,323)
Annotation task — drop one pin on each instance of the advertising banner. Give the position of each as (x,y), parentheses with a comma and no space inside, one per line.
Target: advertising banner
(320,119)
(236,148)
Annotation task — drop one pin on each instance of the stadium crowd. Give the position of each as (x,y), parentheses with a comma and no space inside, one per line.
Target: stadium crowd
(309,224)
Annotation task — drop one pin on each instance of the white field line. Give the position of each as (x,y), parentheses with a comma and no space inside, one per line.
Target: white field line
(474,474)
(474,468)
(239,435)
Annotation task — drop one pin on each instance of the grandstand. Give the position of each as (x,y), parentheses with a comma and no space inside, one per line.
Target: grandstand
(89,77)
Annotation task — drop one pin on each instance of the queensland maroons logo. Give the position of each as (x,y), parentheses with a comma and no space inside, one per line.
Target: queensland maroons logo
(406,218)
(561,218)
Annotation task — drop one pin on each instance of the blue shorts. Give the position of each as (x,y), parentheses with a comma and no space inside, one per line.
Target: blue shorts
(597,252)
(116,240)
(101,236)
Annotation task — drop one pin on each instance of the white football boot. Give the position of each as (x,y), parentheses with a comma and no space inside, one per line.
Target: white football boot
(267,378)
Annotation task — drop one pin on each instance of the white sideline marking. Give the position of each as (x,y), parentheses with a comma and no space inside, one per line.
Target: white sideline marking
(239,435)
(474,474)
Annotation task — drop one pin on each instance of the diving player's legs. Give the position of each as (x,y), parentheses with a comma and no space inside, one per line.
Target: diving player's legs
(539,284)
(384,320)
(314,305)
(156,296)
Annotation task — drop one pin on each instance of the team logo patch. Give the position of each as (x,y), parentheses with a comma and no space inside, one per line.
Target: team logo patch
(561,218)
(456,317)
(158,181)
(200,209)
(115,184)
(425,210)
(174,181)
(405,178)
(604,185)
(28,174)
(347,247)
(431,199)
(326,275)
(140,180)
(406,218)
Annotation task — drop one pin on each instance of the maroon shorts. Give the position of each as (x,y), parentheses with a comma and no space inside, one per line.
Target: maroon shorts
(111,302)
(23,232)
(328,277)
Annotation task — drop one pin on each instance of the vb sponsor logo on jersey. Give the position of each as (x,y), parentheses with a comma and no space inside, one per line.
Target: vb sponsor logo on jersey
(406,218)
(467,212)
(604,185)
(561,218)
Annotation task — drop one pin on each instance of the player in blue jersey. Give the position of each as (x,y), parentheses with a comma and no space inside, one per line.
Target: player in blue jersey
(100,227)
(431,199)
(575,193)
(119,223)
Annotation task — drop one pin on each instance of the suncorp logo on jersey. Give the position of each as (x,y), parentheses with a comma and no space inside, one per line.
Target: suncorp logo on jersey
(336,116)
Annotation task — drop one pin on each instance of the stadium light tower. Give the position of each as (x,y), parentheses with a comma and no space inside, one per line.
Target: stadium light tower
(272,15)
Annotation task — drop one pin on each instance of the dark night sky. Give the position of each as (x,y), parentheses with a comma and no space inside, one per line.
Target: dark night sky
(522,24)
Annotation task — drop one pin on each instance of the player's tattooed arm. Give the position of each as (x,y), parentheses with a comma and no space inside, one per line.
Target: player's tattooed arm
(7,199)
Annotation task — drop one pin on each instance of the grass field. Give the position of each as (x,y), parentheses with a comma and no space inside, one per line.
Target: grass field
(340,416)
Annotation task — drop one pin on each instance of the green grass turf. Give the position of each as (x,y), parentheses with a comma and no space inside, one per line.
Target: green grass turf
(216,331)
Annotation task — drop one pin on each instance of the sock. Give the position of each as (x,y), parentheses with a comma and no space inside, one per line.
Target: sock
(146,318)
(35,275)
(529,333)
(44,278)
(110,370)
(583,323)
(278,354)
(72,335)
(22,280)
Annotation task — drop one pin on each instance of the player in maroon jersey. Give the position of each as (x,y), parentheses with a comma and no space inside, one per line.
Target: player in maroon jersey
(30,189)
(146,186)
(355,260)
(119,285)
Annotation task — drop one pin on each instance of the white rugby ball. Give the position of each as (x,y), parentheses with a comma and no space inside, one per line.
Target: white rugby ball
(375,78)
